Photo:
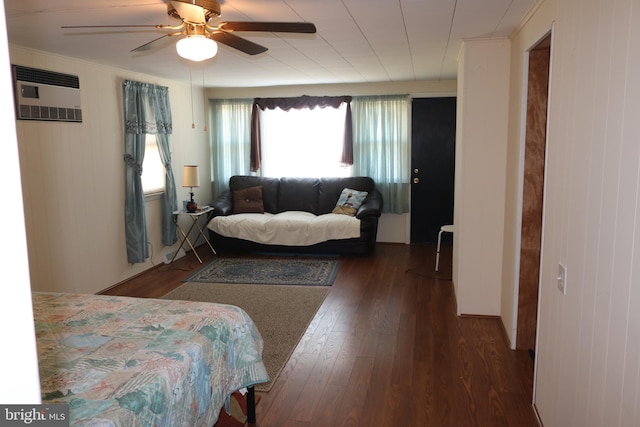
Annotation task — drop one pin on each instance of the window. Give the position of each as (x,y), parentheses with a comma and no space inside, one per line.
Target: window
(153,173)
(301,142)
(291,138)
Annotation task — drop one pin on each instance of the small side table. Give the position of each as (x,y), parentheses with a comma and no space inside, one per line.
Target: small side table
(195,218)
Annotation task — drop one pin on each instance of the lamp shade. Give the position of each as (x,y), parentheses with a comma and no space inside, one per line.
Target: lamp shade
(196,48)
(190,176)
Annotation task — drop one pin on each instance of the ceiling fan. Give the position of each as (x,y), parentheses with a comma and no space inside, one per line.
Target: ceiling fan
(199,36)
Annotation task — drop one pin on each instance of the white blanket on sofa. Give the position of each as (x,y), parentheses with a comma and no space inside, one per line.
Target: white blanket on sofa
(292,228)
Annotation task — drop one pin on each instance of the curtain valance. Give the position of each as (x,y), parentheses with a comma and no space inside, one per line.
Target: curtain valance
(299,102)
(303,101)
(146,108)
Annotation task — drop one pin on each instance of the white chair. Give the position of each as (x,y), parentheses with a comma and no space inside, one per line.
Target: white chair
(443,229)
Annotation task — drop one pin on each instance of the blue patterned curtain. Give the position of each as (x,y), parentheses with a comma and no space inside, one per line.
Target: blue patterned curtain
(381,146)
(170,200)
(146,111)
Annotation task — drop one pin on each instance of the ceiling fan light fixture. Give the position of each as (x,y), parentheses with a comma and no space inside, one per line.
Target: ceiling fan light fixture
(196,48)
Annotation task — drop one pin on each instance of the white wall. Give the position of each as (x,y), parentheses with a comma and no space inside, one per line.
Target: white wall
(73,178)
(18,369)
(588,353)
(481,142)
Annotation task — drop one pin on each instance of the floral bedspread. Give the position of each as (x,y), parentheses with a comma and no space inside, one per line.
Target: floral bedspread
(120,361)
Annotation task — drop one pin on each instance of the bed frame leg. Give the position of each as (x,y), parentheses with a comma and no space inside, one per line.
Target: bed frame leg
(251,405)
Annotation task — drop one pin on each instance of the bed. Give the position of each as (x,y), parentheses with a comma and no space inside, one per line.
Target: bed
(121,361)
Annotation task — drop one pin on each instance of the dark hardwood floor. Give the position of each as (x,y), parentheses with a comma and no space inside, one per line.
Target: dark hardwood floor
(387,349)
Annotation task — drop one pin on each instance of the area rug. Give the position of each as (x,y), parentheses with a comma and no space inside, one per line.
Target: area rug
(281,313)
(269,271)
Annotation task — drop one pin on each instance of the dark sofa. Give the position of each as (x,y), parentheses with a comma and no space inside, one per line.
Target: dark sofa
(314,195)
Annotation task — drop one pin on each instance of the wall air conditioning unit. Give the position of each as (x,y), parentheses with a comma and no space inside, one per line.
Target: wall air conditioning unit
(46,95)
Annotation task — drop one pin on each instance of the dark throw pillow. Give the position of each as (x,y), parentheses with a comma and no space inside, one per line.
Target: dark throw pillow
(248,200)
(349,201)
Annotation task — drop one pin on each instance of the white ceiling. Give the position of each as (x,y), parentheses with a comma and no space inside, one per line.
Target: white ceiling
(357,40)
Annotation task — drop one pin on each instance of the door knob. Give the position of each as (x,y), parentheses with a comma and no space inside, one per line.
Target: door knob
(416,180)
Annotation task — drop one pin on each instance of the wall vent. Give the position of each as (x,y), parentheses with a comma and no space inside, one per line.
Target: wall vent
(46,95)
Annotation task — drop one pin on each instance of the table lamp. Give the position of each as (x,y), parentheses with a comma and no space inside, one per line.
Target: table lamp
(190,179)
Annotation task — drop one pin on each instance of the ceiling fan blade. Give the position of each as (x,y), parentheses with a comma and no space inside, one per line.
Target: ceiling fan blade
(239,43)
(153,43)
(190,12)
(273,27)
(114,26)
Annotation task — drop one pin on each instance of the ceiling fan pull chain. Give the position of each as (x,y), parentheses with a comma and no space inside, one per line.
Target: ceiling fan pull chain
(193,125)
(204,104)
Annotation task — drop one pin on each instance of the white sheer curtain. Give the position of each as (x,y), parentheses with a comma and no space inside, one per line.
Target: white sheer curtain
(230,140)
(381,146)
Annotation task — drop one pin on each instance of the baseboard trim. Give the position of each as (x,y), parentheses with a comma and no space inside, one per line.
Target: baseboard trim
(481,316)
(506,335)
(498,318)
(537,414)
(153,266)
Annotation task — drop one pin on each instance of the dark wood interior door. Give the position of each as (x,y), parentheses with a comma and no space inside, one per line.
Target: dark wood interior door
(433,137)
(533,194)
